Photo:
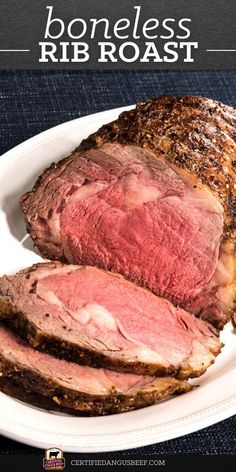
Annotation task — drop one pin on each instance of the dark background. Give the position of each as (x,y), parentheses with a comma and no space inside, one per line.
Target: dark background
(31,102)
(23,23)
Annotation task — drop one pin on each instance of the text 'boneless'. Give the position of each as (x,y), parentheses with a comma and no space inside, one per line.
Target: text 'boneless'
(125,40)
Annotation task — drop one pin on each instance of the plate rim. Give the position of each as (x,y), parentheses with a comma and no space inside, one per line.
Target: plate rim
(131,439)
(54,132)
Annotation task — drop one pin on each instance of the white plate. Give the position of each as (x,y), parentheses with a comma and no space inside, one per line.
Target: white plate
(213,401)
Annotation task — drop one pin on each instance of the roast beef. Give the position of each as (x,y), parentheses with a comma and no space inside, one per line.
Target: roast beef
(151,196)
(26,372)
(98,318)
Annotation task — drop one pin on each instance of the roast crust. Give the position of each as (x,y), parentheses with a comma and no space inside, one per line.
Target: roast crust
(194,133)
(30,387)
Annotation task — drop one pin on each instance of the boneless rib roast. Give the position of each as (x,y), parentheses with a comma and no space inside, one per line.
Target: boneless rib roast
(139,223)
(151,196)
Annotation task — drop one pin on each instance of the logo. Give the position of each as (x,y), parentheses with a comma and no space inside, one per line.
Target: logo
(53,459)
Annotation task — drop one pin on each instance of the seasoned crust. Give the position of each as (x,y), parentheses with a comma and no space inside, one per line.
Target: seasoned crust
(28,386)
(195,133)
(58,348)
(84,356)
(11,387)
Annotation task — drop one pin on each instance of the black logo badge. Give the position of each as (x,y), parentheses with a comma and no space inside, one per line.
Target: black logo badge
(53,459)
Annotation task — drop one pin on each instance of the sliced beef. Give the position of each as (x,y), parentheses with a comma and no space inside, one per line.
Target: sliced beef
(27,372)
(98,318)
(151,196)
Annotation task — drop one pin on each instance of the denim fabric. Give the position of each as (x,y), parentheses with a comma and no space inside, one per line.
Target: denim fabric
(32,101)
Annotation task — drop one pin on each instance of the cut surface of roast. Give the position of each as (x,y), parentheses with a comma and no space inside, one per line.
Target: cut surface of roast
(100,319)
(26,373)
(151,196)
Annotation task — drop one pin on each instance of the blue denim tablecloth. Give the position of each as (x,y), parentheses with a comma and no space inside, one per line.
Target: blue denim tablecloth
(31,102)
